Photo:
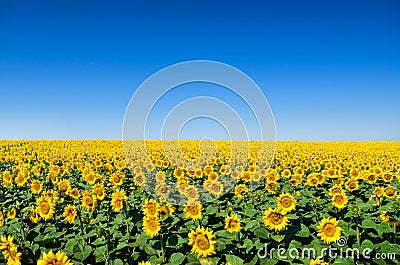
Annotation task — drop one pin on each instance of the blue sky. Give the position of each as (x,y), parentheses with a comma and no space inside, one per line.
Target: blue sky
(329,69)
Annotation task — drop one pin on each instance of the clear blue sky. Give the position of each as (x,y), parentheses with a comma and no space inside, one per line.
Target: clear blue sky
(330,69)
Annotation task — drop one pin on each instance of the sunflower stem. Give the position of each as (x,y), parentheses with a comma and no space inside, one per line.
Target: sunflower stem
(358,235)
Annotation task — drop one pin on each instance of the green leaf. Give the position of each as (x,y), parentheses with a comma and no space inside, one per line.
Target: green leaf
(100,253)
(304,232)
(118,262)
(234,260)
(177,258)
(82,255)
(278,238)
(367,244)
(368,223)
(99,241)
(261,232)
(251,224)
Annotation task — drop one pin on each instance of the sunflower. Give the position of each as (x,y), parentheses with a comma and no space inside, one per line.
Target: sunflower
(241,190)
(151,207)
(12,213)
(60,258)
(272,187)
(20,179)
(390,192)
(45,208)
(34,215)
(286,203)
(335,190)
(63,186)
(275,219)
(379,191)
(352,184)
(140,179)
(98,191)
(216,188)
(202,242)
(232,223)
(191,193)
(7,179)
(370,178)
(163,189)
(151,225)
(70,213)
(51,195)
(74,193)
(339,200)
(117,179)
(166,209)
(144,263)
(385,216)
(193,211)
(10,250)
(317,262)
(117,201)
(329,230)
(36,186)
(88,201)
(387,177)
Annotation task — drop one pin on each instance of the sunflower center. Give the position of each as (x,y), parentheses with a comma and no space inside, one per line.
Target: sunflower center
(329,230)
(276,218)
(202,242)
(194,210)
(152,209)
(339,199)
(286,202)
(45,207)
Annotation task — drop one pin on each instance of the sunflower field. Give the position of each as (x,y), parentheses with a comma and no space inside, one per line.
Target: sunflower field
(83,202)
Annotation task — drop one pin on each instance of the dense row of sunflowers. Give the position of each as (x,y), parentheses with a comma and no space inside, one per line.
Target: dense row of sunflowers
(82,202)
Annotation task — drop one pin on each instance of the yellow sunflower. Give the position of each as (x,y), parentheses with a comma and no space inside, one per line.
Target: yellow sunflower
(36,186)
(74,193)
(151,207)
(193,211)
(390,192)
(88,201)
(12,213)
(335,190)
(70,213)
(232,223)
(202,242)
(59,258)
(45,208)
(317,262)
(34,215)
(165,210)
(339,200)
(10,250)
(274,219)
(63,186)
(98,190)
(329,230)
(241,190)
(352,184)
(117,200)
(286,203)
(7,178)
(379,191)
(151,226)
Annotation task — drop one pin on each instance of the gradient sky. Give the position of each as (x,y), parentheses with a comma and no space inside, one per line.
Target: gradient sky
(329,69)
